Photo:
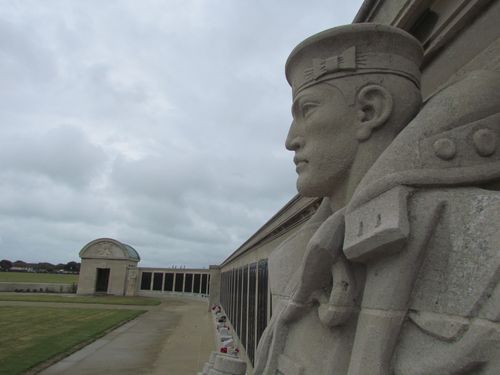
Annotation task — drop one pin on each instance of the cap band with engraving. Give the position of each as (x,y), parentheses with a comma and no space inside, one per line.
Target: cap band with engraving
(352,50)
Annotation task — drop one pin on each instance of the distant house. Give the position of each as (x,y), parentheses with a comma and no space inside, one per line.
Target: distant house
(22,269)
(20,266)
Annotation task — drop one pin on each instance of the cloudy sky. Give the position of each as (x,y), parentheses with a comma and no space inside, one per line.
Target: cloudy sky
(160,123)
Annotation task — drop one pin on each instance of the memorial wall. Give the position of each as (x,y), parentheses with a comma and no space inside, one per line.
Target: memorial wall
(157,281)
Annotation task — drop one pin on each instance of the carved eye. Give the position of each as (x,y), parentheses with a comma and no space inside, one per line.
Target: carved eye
(307,108)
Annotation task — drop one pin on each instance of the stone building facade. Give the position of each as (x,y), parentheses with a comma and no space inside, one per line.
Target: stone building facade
(110,267)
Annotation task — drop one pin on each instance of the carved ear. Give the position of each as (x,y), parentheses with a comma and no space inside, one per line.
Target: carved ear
(374,105)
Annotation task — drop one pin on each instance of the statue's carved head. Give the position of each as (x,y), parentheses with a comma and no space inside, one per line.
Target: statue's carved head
(352,86)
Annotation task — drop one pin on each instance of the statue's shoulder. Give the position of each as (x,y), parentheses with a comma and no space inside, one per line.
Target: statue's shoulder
(428,187)
(461,268)
(453,141)
(454,306)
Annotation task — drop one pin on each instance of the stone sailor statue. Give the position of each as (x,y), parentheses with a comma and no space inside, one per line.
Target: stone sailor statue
(397,272)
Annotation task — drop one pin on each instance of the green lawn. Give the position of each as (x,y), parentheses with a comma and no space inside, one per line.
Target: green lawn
(31,335)
(30,277)
(73,298)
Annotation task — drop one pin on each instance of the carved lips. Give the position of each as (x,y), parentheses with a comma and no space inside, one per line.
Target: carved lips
(300,163)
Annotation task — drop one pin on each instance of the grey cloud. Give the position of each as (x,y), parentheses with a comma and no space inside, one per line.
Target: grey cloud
(25,57)
(63,154)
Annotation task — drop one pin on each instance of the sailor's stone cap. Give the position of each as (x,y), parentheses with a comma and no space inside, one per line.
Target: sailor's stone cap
(355,49)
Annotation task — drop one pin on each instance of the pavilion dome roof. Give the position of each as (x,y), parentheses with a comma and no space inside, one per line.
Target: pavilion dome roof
(108,248)
(132,252)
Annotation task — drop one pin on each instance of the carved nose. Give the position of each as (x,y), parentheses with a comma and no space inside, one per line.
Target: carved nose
(293,140)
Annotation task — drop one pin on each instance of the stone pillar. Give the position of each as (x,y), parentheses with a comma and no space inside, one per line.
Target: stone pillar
(214,296)
(131,284)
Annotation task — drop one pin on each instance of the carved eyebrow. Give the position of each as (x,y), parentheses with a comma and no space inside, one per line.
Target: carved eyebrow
(296,103)
(298,100)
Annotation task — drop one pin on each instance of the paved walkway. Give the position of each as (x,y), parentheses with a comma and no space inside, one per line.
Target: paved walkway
(174,338)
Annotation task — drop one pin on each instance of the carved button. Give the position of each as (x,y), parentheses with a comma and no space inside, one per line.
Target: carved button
(485,142)
(445,149)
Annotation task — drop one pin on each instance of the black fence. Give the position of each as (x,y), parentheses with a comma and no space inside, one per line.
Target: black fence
(244,297)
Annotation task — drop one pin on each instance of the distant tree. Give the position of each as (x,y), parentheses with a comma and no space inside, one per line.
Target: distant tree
(19,263)
(45,267)
(72,267)
(59,268)
(5,264)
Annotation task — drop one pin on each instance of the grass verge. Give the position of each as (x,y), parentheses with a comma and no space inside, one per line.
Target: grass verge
(30,277)
(71,298)
(32,335)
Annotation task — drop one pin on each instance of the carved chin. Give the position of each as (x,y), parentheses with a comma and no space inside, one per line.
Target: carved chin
(301,187)
(307,188)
